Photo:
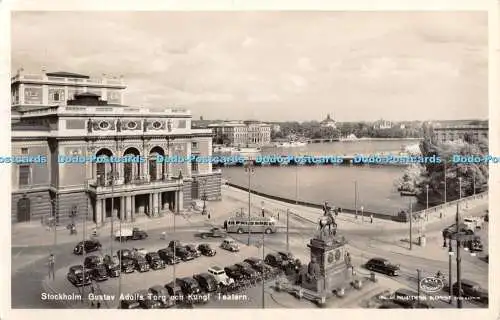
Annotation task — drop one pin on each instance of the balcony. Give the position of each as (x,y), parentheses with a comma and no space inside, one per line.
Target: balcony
(99,186)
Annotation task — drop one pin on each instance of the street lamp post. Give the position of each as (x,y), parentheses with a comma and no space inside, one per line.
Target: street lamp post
(450,270)
(411,225)
(204,211)
(445,167)
(474,182)
(427,196)
(263,258)
(460,187)
(287,230)
(459,260)
(112,207)
(356,198)
(249,169)
(296,183)
(362,214)
(418,284)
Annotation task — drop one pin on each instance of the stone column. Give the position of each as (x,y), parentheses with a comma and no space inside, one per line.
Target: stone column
(98,212)
(150,204)
(122,208)
(160,202)
(132,207)
(181,200)
(145,165)
(155,204)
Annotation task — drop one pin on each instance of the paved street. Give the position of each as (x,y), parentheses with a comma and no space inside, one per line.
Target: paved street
(366,241)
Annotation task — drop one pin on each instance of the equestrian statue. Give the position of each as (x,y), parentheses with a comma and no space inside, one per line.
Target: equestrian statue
(328,220)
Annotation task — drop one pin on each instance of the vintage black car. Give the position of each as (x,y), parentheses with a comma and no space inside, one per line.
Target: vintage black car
(124,253)
(206,250)
(275,260)
(112,265)
(234,273)
(154,260)
(146,301)
(247,270)
(471,289)
(189,286)
(91,262)
(168,256)
(141,264)
(183,254)
(214,233)
(175,244)
(90,246)
(175,291)
(259,265)
(192,249)
(159,293)
(206,282)
(129,304)
(128,265)
(383,266)
(77,277)
(99,273)
(290,261)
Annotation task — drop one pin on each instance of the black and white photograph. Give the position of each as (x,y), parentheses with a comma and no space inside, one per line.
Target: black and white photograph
(249,160)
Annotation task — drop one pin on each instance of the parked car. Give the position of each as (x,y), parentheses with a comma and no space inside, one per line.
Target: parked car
(383,266)
(125,253)
(168,256)
(139,251)
(214,233)
(230,245)
(174,244)
(90,246)
(159,293)
(259,265)
(77,277)
(130,234)
(99,273)
(128,265)
(206,250)
(175,291)
(141,264)
(91,262)
(472,289)
(409,299)
(154,260)
(207,282)
(247,270)
(183,254)
(112,265)
(146,301)
(290,262)
(220,276)
(192,250)
(275,260)
(189,286)
(234,273)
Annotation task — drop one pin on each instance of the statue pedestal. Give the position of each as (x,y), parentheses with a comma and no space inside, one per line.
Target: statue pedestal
(329,253)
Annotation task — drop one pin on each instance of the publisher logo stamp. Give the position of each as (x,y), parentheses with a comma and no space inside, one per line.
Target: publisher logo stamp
(431,284)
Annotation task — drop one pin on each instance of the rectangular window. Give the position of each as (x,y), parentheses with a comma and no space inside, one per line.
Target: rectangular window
(24,151)
(181,124)
(194,145)
(194,166)
(24,175)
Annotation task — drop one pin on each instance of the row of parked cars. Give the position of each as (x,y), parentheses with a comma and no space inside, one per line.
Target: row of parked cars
(99,268)
(193,290)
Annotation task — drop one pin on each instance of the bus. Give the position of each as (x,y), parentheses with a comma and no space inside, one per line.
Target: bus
(242,224)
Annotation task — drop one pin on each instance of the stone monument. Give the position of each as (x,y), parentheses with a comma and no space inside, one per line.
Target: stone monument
(328,270)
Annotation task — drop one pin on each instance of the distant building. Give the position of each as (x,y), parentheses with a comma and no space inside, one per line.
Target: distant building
(328,122)
(382,124)
(457,132)
(241,133)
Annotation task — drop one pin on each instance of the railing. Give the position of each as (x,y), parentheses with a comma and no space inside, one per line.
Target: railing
(449,204)
(39,77)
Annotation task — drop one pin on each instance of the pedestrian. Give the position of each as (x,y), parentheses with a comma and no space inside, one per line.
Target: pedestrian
(278,216)
(225,224)
(263,212)
(209,216)
(441,214)
(371,218)
(98,305)
(52,262)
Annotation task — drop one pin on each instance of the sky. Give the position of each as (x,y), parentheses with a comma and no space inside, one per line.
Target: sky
(272,66)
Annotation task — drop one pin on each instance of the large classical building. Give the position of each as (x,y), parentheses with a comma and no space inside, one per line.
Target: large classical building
(242,133)
(457,132)
(56,115)
(328,122)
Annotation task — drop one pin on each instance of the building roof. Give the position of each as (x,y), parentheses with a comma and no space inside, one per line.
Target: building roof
(67,75)
(328,119)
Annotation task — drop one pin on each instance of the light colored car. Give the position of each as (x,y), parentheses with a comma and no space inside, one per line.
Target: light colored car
(220,276)
(230,245)
(140,251)
(473,222)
